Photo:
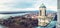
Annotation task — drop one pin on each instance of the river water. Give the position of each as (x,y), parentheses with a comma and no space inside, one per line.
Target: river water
(5,16)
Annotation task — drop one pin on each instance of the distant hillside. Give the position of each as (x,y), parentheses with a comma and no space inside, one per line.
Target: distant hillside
(47,11)
(36,11)
(50,11)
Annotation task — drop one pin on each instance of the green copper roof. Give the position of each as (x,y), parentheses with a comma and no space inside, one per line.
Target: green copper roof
(42,6)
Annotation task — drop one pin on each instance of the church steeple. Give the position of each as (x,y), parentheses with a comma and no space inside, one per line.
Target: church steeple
(42,6)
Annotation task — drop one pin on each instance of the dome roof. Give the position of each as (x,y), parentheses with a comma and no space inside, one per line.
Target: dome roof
(42,6)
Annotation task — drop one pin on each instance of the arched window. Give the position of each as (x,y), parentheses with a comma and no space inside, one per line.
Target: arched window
(45,12)
(40,12)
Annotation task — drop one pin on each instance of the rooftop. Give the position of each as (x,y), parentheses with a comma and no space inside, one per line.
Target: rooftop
(42,6)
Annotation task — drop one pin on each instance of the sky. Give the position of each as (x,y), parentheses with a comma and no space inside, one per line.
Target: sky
(26,5)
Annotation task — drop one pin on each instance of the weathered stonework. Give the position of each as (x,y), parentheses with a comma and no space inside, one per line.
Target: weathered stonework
(43,20)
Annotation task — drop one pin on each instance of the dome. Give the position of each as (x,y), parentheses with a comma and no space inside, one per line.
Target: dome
(42,6)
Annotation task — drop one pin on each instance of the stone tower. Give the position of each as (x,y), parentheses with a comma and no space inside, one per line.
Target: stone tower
(42,15)
(42,9)
(43,20)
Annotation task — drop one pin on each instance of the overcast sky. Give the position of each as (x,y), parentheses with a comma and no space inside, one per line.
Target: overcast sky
(26,5)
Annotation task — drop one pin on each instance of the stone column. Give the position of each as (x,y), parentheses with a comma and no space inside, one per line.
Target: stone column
(58,14)
(58,19)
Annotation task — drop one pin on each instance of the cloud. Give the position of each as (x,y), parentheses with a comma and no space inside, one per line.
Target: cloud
(54,8)
(20,5)
(12,5)
(24,5)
